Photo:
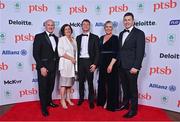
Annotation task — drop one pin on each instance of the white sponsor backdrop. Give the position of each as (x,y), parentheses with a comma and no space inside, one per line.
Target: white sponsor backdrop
(20,20)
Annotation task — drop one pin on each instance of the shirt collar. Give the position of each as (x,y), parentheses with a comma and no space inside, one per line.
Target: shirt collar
(130,29)
(88,33)
(48,33)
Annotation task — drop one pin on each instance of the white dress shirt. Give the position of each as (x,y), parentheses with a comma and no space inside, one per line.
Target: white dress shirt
(125,34)
(84,46)
(53,42)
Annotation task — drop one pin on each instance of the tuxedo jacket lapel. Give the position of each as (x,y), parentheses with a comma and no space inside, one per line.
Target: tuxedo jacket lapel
(79,44)
(89,43)
(120,39)
(129,36)
(48,40)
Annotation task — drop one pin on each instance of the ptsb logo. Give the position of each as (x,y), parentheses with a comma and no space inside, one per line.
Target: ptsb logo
(151,38)
(115,9)
(174,22)
(178,104)
(33,67)
(75,9)
(37,8)
(164,5)
(145,96)
(160,70)
(27,92)
(3,66)
(2,5)
(24,37)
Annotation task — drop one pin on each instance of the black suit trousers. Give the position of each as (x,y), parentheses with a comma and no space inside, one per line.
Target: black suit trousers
(85,74)
(130,89)
(46,86)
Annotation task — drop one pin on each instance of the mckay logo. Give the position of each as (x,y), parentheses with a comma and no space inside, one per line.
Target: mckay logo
(7,82)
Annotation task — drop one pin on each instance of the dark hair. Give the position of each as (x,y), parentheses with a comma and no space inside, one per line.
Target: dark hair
(86,20)
(129,14)
(63,28)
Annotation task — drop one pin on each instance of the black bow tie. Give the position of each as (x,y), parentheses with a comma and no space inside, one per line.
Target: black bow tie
(84,34)
(51,34)
(126,31)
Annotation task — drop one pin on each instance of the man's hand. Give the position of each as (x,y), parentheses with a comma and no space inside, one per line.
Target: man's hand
(44,71)
(109,69)
(134,71)
(92,68)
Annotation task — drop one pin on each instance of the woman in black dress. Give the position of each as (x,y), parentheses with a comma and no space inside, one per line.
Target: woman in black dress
(108,83)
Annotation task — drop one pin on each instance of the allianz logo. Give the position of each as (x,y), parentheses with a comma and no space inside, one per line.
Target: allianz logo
(171,88)
(101,24)
(22,52)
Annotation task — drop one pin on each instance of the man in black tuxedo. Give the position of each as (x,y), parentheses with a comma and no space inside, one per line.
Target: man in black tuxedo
(88,56)
(131,53)
(46,57)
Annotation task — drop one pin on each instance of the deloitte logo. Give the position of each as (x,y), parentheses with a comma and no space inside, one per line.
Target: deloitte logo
(171,38)
(22,52)
(20,66)
(169,56)
(145,23)
(2,37)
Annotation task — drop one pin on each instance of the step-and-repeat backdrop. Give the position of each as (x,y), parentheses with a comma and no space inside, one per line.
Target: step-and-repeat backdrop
(20,20)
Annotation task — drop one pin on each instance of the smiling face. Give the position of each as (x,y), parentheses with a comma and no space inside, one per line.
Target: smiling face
(67,31)
(128,22)
(49,26)
(85,26)
(108,28)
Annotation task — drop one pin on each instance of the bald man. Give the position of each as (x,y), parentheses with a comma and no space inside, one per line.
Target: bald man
(46,57)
